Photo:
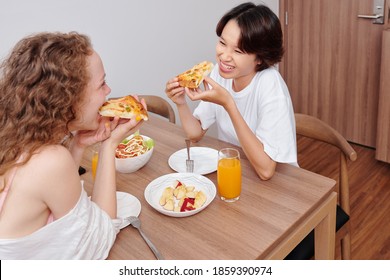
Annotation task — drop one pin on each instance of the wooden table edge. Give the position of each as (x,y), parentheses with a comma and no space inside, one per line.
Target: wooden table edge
(323,221)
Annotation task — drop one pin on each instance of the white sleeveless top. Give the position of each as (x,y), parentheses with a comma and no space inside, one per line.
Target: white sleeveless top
(86,232)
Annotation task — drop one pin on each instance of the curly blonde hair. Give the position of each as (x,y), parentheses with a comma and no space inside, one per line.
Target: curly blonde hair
(42,82)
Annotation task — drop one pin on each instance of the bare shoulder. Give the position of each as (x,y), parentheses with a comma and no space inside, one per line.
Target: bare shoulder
(52,154)
(52,160)
(53,178)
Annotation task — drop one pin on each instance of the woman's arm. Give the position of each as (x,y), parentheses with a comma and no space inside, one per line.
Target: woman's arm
(252,146)
(191,125)
(104,190)
(86,138)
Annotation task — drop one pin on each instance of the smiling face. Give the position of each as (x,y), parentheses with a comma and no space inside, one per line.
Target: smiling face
(94,96)
(233,62)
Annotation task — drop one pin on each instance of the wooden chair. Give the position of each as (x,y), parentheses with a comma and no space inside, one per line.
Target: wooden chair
(314,128)
(159,106)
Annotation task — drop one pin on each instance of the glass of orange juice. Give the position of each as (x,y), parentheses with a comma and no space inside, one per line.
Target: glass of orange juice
(95,159)
(229,174)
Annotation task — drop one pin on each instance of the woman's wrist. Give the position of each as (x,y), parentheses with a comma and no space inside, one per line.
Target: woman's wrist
(230,106)
(77,142)
(108,144)
(75,145)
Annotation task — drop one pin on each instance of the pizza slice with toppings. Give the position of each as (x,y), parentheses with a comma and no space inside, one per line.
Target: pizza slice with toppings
(126,107)
(193,77)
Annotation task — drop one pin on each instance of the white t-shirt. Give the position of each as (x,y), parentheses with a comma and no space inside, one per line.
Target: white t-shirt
(265,105)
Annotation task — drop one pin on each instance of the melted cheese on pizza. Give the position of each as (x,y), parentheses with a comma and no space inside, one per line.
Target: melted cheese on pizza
(193,77)
(125,107)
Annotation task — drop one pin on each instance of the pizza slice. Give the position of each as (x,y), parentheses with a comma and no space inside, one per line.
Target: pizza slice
(126,107)
(193,77)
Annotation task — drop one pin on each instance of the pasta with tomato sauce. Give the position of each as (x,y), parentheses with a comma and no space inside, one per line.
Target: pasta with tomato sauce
(133,147)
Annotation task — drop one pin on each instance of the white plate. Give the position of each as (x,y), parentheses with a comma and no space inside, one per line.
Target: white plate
(155,189)
(205,160)
(127,205)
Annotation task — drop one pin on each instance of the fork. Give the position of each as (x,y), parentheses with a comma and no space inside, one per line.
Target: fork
(189,161)
(136,222)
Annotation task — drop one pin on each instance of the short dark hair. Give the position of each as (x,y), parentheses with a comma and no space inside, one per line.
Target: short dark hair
(261,33)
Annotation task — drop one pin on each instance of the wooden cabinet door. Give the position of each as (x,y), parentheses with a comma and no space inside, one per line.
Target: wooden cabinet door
(332,63)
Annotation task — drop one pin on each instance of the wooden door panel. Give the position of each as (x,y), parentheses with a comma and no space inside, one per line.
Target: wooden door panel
(332,64)
(383,138)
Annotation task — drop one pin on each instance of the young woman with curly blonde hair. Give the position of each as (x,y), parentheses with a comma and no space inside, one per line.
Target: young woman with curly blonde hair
(51,88)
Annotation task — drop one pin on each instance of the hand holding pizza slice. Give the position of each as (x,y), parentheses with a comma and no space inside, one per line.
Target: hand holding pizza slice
(126,107)
(193,77)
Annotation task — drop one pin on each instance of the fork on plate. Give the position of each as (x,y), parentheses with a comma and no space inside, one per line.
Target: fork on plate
(189,161)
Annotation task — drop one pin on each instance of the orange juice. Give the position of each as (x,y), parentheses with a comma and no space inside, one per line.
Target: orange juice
(229,178)
(95,159)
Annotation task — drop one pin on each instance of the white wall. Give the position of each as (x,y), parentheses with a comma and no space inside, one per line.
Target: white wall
(142,43)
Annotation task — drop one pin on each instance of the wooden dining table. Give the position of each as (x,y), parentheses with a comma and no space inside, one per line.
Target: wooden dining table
(267,222)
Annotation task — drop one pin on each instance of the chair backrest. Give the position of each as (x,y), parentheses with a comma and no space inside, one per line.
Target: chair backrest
(159,106)
(314,128)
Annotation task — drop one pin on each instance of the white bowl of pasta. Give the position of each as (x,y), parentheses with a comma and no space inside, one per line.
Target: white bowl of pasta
(133,153)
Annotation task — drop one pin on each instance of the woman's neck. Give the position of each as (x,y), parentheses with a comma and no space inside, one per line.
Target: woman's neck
(242,82)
